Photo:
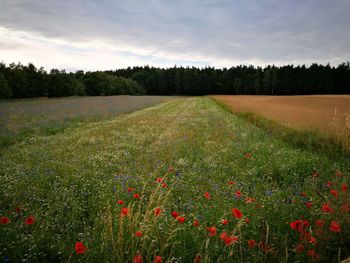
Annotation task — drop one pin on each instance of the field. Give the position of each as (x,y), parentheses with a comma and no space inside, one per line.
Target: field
(327,113)
(182,181)
(22,117)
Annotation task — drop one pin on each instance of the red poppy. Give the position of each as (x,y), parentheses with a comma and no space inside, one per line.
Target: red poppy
(329,184)
(312,241)
(319,222)
(311,253)
(236,213)
(157,211)
(18,210)
(29,220)
(207,195)
(344,188)
(120,202)
(136,196)
(125,211)
(198,258)
(223,235)
(308,204)
(181,219)
(338,173)
(251,243)
(195,223)
(247,220)
(327,209)
(212,231)
(297,225)
(80,248)
(230,240)
(138,233)
(4,220)
(164,185)
(315,174)
(250,200)
(231,183)
(238,193)
(334,193)
(138,258)
(159,180)
(247,155)
(303,194)
(334,227)
(130,189)
(158,259)
(224,221)
(299,248)
(174,214)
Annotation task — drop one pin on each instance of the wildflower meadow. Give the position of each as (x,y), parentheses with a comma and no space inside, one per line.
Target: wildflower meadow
(182,181)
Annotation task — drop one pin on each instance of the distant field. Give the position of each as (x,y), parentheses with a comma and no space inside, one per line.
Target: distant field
(330,114)
(16,115)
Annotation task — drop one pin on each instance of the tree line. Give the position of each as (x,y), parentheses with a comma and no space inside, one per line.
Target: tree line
(19,81)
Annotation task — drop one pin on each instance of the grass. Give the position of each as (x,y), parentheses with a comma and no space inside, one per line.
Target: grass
(171,155)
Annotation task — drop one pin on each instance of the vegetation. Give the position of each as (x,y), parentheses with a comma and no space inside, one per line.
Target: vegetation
(182,181)
(18,81)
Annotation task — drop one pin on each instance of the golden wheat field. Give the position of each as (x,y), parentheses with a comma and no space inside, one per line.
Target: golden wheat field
(329,113)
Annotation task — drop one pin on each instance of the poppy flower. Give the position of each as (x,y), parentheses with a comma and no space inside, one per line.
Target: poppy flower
(236,213)
(247,220)
(231,183)
(195,223)
(158,259)
(120,202)
(297,225)
(344,188)
(247,155)
(315,174)
(308,204)
(136,196)
(198,258)
(303,194)
(338,173)
(138,258)
(138,233)
(251,243)
(230,240)
(212,231)
(334,227)
(207,195)
(319,222)
(80,248)
(329,184)
(164,185)
(334,193)
(223,235)
(159,180)
(181,219)
(4,220)
(29,220)
(224,221)
(157,211)
(18,210)
(130,189)
(327,209)
(250,200)
(174,214)
(238,194)
(299,248)
(124,211)
(311,253)
(312,241)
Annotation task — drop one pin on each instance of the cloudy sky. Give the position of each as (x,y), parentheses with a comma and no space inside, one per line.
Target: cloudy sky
(107,34)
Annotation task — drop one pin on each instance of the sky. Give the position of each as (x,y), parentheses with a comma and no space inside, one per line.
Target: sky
(109,34)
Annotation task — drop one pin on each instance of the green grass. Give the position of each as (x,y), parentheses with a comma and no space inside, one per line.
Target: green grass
(71,181)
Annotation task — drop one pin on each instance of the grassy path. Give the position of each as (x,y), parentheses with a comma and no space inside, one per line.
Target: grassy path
(70,182)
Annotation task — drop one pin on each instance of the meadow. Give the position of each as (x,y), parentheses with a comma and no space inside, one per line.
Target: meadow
(182,181)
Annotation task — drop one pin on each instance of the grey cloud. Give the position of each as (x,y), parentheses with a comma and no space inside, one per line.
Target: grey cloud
(238,31)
